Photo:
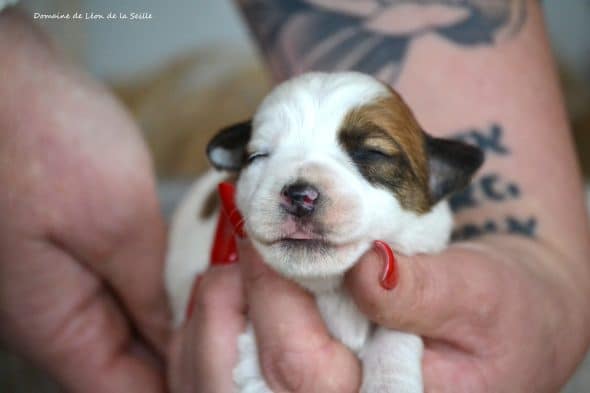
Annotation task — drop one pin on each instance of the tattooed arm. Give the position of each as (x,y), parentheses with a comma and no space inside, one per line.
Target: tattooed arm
(503,310)
(370,36)
(380,37)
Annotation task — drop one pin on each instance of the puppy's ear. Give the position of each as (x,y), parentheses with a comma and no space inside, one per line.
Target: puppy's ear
(451,165)
(227,149)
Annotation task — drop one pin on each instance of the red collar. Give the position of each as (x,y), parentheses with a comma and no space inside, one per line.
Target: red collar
(229,224)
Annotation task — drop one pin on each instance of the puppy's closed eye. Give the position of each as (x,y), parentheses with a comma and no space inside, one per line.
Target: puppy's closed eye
(255,156)
(368,155)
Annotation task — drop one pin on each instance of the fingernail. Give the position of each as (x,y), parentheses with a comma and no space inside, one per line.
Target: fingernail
(227,193)
(192,299)
(389,278)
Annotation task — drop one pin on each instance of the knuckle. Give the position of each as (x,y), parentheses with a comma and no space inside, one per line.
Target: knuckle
(329,368)
(486,304)
(283,369)
(342,374)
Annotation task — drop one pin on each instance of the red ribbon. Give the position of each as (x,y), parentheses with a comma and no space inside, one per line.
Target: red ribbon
(229,224)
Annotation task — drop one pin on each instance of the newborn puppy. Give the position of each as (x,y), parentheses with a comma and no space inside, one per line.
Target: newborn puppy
(329,164)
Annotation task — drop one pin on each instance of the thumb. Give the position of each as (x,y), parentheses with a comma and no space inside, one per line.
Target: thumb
(435,294)
(129,256)
(296,351)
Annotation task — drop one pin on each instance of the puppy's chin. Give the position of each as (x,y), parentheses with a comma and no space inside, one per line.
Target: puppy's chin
(302,260)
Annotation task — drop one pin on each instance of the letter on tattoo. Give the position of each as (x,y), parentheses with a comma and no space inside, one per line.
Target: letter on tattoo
(487,141)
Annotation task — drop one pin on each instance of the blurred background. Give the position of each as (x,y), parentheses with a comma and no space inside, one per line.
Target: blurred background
(192,68)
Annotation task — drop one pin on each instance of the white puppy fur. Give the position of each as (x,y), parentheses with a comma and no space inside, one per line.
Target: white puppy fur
(295,133)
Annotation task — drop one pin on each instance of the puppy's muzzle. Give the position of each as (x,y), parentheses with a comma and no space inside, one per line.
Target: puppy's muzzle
(299,199)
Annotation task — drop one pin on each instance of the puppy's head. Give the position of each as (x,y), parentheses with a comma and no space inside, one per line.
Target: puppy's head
(331,162)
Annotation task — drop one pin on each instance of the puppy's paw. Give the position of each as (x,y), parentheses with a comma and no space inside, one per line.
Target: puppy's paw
(391,385)
(247,376)
(392,363)
(254,387)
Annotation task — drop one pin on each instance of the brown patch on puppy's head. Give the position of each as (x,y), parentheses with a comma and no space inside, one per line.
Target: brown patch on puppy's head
(391,150)
(387,145)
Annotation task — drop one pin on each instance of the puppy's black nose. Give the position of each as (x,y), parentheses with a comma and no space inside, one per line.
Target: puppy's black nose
(299,199)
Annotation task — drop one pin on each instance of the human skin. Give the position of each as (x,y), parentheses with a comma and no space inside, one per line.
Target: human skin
(81,237)
(504,309)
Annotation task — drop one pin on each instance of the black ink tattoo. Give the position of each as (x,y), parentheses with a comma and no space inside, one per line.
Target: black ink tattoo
(469,231)
(511,225)
(519,227)
(489,187)
(488,141)
(303,35)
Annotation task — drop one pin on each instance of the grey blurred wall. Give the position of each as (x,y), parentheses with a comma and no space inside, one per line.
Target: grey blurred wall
(117,50)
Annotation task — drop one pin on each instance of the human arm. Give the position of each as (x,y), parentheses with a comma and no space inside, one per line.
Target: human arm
(81,237)
(507,303)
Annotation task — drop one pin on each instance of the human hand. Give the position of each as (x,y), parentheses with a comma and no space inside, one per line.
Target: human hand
(81,237)
(497,315)
(296,351)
